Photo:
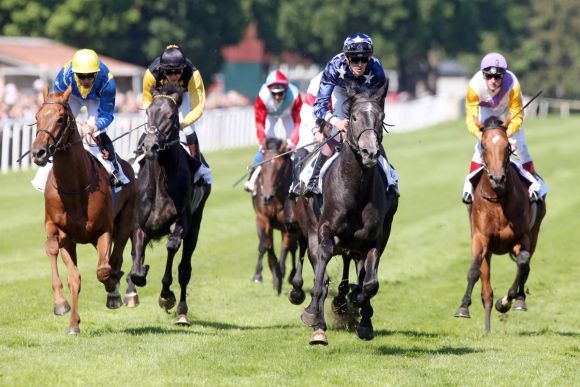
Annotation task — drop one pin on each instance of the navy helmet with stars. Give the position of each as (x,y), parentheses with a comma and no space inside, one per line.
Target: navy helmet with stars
(358,45)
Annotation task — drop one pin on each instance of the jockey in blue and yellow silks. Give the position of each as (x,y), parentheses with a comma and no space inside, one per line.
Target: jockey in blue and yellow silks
(94,87)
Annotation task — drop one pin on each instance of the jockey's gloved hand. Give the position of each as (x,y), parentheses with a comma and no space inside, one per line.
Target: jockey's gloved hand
(513,146)
(290,145)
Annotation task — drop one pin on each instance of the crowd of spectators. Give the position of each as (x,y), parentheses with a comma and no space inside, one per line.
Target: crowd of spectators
(24,103)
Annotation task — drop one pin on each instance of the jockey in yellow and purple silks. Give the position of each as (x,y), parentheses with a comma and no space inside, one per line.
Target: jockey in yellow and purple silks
(495,91)
(93,87)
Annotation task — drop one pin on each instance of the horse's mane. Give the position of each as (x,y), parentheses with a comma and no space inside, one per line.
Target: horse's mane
(173,91)
(493,122)
(273,143)
(354,93)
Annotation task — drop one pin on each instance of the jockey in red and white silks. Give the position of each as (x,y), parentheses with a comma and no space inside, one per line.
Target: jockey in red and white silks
(277,115)
(495,91)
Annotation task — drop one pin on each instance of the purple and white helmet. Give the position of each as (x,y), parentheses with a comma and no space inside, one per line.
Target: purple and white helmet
(493,63)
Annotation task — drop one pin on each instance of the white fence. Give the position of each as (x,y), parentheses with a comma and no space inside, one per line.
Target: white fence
(234,127)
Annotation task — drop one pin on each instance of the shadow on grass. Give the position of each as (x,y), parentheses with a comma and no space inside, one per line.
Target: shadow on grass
(386,332)
(417,352)
(546,331)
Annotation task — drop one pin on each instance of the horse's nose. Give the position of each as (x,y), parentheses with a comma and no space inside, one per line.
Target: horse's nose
(369,156)
(39,156)
(498,180)
(267,199)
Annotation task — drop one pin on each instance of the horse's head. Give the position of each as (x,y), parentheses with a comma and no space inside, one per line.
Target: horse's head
(366,123)
(162,120)
(54,122)
(495,151)
(271,175)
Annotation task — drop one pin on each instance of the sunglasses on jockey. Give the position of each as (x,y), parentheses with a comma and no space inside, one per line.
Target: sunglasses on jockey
(357,60)
(86,76)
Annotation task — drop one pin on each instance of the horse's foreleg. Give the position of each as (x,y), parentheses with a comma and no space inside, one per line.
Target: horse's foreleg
(262,227)
(340,303)
(69,257)
(297,295)
(60,304)
(167,297)
(517,290)
(472,278)
(103,266)
(138,274)
(288,245)
(486,290)
(184,271)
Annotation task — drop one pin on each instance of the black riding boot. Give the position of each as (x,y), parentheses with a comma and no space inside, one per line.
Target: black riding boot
(312,186)
(296,187)
(108,145)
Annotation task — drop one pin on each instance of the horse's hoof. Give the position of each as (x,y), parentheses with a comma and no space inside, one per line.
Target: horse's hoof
(502,305)
(257,279)
(318,337)
(61,309)
(520,305)
(72,331)
(462,312)
(114,302)
(182,320)
(167,303)
(131,300)
(296,296)
(308,319)
(365,333)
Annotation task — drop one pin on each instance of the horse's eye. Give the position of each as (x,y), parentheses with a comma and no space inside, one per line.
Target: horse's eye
(353,118)
(60,120)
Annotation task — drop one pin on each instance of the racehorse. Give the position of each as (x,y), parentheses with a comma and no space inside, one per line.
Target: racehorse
(80,206)
(502,221)
(271,195)
(169,202)
(357,213)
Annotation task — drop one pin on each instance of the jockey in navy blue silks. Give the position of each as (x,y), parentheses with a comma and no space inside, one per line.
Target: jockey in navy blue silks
(356,66)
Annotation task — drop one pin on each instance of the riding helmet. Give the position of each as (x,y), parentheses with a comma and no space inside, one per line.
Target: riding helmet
(358,45)
(85,61)
(493,63)
(172,58)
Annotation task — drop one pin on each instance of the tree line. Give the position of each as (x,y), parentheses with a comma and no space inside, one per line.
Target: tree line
(539,41)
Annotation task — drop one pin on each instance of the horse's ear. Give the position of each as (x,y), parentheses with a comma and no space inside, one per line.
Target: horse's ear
(45,92)
(154,91)
(178,97)
(477,122)
(67,92)
(507,121)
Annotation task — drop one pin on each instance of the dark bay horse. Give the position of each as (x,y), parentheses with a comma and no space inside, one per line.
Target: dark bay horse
(269,201)
(79,205)
(357,214)
(169,202)
(503,221)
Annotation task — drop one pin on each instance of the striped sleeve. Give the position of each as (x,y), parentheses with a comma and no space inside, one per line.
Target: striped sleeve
(472,110)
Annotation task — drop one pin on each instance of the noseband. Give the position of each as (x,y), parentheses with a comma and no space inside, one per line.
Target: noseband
(56,145)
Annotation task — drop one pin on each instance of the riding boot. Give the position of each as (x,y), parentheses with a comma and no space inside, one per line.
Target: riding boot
(296,188)
(312,186)
(107,144)
(193,145)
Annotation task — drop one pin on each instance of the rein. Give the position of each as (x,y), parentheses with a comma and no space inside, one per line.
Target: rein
(161,137)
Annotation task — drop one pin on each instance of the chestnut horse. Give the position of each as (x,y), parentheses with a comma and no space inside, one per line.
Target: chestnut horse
(502,221)
(80,206)
(357,213)
(169,202)
(269,200)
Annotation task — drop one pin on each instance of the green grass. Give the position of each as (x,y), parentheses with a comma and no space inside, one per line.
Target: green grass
(243,334)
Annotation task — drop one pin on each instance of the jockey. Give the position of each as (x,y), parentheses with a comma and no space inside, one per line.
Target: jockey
(172,66)
(495,91)
(277,114)
(93,87)
(355,64)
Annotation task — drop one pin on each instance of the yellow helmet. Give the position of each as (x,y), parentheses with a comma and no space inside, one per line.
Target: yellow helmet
(85,61)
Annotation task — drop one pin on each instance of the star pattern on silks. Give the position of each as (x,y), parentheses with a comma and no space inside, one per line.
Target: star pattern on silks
(369,77)
(358,39)
(342,72)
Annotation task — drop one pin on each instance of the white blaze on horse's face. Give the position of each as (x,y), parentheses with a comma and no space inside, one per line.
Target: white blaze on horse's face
(496,138)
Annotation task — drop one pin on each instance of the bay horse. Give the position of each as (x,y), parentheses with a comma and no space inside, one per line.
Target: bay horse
(503,221)
(169,201)
(80,206)
(269,201)
(357,213)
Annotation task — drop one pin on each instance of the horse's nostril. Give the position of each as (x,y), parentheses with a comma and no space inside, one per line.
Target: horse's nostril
(155,147)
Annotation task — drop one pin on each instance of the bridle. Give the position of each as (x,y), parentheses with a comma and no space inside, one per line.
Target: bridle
(162,137)
(56,145)
(509,152)
(354,144)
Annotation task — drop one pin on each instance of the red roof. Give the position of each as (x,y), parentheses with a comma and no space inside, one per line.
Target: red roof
(49,54)
(250,49)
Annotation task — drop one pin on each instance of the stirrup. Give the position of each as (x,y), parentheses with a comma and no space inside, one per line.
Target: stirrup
(467,198)
(534,197)
(311,190)
(116,179)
